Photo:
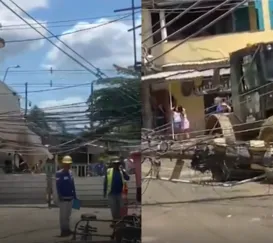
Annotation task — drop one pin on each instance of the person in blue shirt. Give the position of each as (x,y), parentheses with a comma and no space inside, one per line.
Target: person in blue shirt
(66,194)
(114,183)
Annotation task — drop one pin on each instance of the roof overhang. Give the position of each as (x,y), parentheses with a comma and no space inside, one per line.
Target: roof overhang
(197,65)
(186,75)
(163,75)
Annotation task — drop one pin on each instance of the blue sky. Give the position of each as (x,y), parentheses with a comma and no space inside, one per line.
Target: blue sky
(102,46)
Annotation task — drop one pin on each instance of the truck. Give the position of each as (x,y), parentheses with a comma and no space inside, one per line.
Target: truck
(245,135)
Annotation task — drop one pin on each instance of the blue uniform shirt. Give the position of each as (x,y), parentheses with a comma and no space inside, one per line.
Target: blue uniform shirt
(65,185)
(117,183)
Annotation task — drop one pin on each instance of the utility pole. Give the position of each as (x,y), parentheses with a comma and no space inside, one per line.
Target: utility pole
(132,8)
(92,104)
(26,98)
(134,32)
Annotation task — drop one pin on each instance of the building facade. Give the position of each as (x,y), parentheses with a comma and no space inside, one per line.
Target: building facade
(206,53)
(15,135)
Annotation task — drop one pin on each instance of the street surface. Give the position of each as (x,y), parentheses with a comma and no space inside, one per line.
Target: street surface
(175,213)
(40,225)
(168,165)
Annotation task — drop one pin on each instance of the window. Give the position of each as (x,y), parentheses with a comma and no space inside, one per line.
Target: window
(156,26)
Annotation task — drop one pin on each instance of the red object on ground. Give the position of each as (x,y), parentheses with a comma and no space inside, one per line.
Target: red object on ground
(124,209)
(136,157)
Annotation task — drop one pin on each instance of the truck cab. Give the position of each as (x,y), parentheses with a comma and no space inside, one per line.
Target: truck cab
(252,82)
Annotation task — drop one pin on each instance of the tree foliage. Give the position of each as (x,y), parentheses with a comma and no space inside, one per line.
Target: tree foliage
(117,105)
(42,125)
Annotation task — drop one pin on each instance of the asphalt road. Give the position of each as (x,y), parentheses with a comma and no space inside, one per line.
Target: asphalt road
(178,213)
(167,167)
(40,225)
(171,212)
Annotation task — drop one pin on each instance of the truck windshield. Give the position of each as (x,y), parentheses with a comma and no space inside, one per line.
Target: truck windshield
(250,79)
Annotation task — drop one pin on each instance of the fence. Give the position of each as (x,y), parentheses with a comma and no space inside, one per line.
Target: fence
(40,189)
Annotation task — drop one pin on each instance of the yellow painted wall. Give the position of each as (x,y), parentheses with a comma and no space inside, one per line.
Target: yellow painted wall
(194,106)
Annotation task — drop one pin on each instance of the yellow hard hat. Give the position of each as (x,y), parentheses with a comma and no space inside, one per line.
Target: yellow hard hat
(67,160)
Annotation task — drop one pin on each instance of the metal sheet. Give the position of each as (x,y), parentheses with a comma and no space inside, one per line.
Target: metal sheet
(163,75)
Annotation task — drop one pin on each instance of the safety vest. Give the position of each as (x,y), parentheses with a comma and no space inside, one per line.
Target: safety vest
(110,173)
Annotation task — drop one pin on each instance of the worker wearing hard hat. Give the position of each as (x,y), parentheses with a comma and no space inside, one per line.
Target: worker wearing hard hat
(66,193)
(114,183)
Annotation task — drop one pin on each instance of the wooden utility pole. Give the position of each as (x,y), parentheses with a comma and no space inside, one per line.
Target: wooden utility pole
(26,99)
(132,8)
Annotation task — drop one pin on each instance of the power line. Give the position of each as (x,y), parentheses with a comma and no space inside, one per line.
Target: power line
(47,90)
(199,31)
(172,21)
(49,70)
(99,74)
(54,26)
(60,35)
(67,46)
(189,24)
(66,20)
(54,44)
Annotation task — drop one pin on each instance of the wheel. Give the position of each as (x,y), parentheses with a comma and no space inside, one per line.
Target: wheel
(266,132)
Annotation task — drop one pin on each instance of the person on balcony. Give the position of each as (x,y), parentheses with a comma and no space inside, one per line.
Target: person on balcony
(185,124)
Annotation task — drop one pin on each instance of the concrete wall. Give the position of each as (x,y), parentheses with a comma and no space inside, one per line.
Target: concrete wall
(14,131)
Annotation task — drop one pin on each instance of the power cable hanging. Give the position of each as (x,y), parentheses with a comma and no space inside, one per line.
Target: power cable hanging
(189,24)
(68,33)
(98,74)
(199,31)
(173,20)
(154,25)
(60,49)
(4,26)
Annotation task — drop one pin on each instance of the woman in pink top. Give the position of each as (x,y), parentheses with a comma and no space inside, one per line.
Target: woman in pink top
(185,124)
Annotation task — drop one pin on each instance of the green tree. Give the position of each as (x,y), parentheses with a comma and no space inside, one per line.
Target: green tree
(116,106)
(44,124)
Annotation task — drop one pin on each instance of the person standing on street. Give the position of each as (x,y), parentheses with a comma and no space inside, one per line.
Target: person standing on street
(114,183)
(66,193)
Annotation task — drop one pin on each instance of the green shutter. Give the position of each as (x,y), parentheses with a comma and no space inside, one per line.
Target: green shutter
(242,20)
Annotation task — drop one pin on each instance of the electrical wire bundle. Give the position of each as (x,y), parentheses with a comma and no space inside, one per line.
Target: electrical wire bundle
(18,126)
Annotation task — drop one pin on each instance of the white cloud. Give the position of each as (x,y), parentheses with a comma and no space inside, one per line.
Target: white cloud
(15,33)
(69,104)
(103,46)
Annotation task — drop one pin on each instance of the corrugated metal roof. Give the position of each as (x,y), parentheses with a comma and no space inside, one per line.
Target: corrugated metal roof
(196,74)
(163,75)
(202,62)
